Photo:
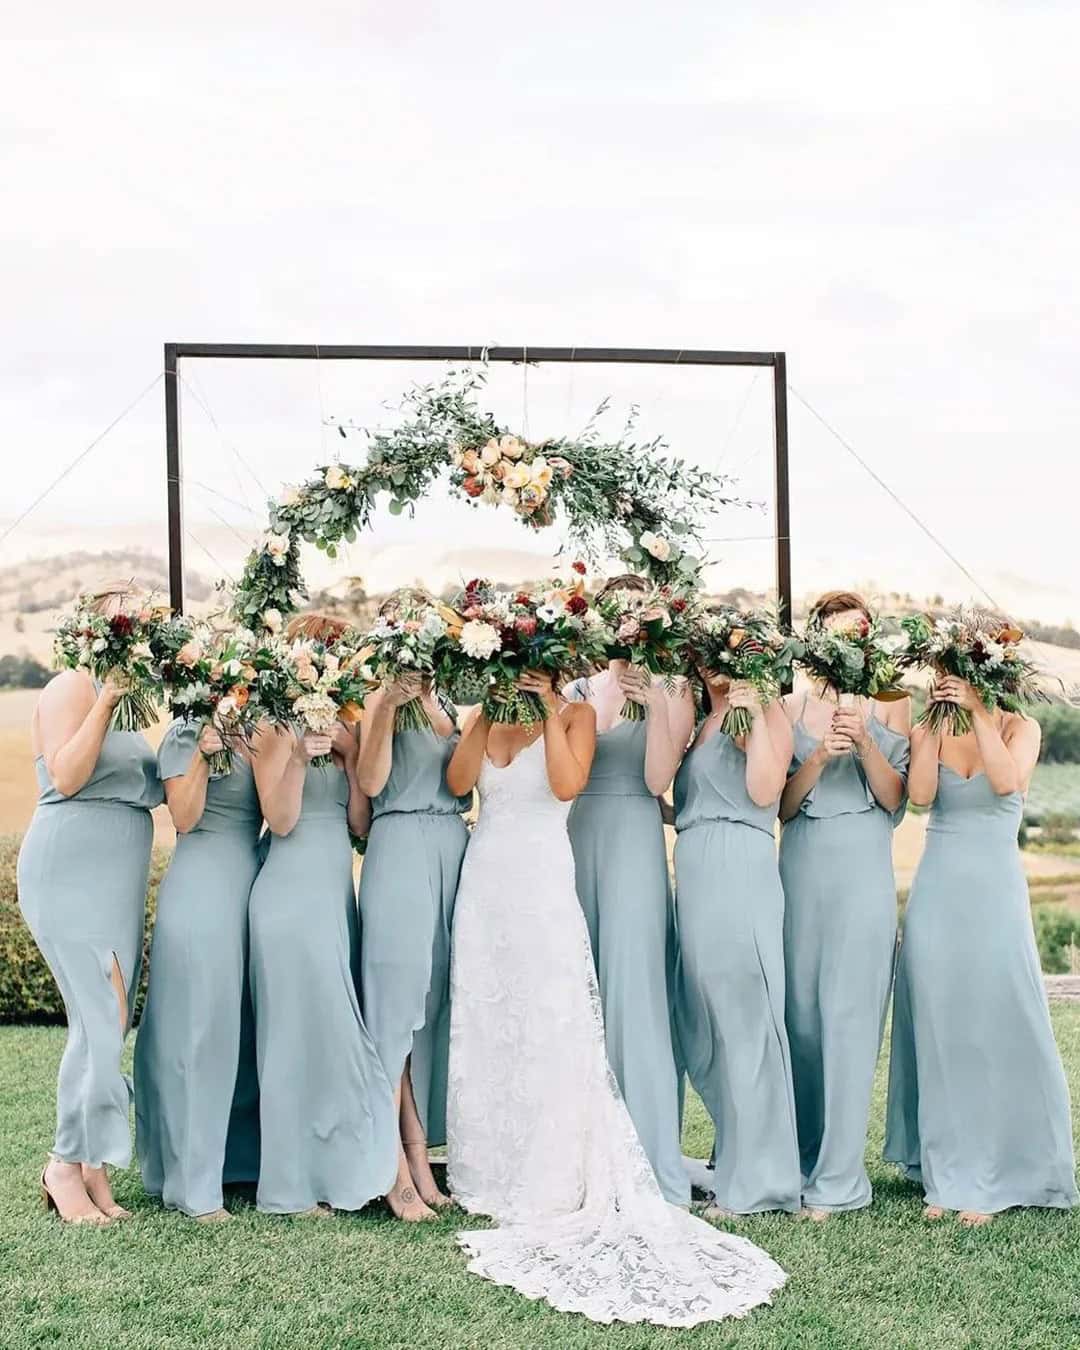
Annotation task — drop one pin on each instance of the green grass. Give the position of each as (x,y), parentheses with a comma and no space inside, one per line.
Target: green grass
(1054,791)
(877,1280)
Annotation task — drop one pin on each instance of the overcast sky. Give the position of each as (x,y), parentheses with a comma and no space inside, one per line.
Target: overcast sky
(892,198)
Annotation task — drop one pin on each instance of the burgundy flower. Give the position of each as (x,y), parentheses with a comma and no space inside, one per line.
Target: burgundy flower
(577,604)
(122,625)
(522,599)
(579,567)
(473,487)
(677,606)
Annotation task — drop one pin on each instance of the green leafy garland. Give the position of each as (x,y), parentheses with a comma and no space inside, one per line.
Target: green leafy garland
(618,497)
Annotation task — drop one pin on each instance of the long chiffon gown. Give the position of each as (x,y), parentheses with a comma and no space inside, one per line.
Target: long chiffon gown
(407,888)
(978,1104)
(622,882)
(729,1001)
(839,951)
(82,875)
(196,1084)
(329,1128)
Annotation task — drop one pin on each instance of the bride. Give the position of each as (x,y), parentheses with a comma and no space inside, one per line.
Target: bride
(537,1133)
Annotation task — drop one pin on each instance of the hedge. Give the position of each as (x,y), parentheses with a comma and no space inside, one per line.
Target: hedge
(27,990)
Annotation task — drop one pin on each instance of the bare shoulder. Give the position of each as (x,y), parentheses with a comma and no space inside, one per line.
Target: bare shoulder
(1019,729)
(579,714)
(68,689)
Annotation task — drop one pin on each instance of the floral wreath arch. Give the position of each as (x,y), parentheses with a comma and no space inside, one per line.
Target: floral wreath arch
(618,497)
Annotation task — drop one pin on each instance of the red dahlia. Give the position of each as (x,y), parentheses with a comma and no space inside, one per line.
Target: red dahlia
(122,625)
(577,604)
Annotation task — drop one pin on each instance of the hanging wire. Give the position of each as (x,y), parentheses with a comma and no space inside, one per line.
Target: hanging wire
(205,487)
(216,561)
(736,424)
(241,483)
(895,497)
(322,403)
(227,444)
(79,459)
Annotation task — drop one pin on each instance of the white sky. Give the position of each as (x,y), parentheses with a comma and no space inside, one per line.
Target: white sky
(892,198)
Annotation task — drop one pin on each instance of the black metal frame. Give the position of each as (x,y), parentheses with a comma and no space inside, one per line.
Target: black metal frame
(291,351)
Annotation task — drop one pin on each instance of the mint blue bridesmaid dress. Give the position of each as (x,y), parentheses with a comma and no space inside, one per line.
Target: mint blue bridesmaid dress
(978,1104)
(621,868)
(839,949)
(408,883)
(82,875)
(729,1001)
(326,1107)
(196,1086)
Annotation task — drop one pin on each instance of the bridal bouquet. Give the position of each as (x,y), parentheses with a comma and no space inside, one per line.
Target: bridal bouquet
(413,639)
(505,633)
(122,648)
(980,648)
(745,646)
(214,678)
(321,683)
(650,629)
(859,660)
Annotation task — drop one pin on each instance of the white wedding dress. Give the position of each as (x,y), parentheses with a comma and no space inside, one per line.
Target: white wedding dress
(537,1133)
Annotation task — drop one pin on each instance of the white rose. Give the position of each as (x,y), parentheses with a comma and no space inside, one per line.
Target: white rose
(289,495)
(141,652)
(98,645)
(656,545)
(272,620)
(226,707)
(277,545)
(518,476)
(336,477)
(511,448)
(491,454)
(509,497)
(480,640)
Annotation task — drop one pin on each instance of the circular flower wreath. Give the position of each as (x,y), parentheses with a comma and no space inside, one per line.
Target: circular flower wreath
(618,497)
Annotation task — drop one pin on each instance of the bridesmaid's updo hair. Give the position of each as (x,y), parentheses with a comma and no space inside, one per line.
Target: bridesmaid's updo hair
(316,627)
(629,581)
(111,597)
(836,602)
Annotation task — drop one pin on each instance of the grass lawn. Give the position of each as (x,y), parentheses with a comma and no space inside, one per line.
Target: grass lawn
(880,1279)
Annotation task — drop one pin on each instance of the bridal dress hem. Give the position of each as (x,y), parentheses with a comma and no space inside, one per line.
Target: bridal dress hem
(539,1137)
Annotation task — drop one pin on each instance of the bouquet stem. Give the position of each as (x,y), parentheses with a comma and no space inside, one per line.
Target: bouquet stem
(632,712)
(947,719)
(411,716)
(220,762)
(737,722)
(135,711)
(512,706)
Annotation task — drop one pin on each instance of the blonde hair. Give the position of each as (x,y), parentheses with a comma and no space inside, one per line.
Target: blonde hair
(316,627)
(405,595)
(110,596)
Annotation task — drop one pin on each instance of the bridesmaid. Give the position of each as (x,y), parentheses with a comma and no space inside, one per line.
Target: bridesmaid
(844,794)
(196,1088)
(82,876)
(978,1104)
(329,1132)
(407,887)
(620,856)
(730,978)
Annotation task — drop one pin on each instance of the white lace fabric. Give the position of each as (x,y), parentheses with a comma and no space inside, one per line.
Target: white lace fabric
(538,1136)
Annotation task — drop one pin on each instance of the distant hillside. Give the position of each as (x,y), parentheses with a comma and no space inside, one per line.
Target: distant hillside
(34,591)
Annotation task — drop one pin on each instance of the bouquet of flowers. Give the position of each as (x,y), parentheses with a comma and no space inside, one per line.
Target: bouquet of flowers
(123,648)
(980,648)
(746,646)
(214,678)
(323,682)
(855,661)
(650,629)
(505,633)
(411,640)
(507,471)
